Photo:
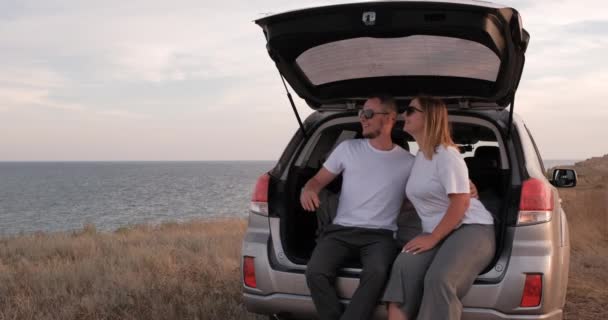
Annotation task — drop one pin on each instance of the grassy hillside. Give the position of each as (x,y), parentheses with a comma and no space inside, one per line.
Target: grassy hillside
(587,209)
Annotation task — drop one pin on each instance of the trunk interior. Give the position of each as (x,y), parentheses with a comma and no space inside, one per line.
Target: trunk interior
(480,149)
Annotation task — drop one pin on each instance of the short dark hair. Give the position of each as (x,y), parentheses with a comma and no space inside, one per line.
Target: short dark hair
(387,100)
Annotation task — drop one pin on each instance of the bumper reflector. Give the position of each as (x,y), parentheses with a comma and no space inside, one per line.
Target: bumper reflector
(249,272)
(533,290)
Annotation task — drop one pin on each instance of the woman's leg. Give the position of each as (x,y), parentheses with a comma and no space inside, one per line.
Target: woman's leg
(463,254)
(406,282)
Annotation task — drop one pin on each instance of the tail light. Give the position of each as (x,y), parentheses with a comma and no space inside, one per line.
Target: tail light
(249,272)
(259,199)
(536,202)
(533,290)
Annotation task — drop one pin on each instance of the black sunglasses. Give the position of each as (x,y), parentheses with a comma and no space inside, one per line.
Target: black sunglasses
(369,113)
(411,109)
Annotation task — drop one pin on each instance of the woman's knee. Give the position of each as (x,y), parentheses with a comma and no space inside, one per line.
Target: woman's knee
(412,264)
(404,259)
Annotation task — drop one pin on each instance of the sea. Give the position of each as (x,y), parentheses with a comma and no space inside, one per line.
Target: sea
(66,196)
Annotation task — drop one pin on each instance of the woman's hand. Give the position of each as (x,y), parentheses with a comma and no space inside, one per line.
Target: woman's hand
(421,244)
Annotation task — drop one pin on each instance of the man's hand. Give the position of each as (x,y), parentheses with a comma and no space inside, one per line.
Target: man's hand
(309,200)
(473,190)
(421,243)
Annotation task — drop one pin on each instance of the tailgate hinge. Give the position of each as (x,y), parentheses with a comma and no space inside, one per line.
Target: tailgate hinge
(293,106)
(510,123)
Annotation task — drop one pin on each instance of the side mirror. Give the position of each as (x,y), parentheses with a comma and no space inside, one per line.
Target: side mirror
(564,178)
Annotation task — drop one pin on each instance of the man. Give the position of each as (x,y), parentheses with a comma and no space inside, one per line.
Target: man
(375,172)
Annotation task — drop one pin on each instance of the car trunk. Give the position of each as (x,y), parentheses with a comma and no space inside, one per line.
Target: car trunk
(470,54)
(300,229)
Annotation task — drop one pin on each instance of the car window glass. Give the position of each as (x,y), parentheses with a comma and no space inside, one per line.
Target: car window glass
(536,152)
(418,55)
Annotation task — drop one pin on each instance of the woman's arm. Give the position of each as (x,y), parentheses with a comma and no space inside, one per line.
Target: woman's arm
(459,203)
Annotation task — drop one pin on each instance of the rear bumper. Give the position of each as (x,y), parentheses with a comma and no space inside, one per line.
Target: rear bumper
(301,306)
(297,306)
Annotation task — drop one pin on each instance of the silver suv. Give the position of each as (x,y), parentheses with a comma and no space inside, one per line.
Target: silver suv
(472,55)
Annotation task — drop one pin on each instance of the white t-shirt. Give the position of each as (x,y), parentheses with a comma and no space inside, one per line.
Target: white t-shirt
(432,180)
(372,183)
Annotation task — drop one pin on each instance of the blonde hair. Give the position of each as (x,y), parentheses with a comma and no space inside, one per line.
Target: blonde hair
(436,125)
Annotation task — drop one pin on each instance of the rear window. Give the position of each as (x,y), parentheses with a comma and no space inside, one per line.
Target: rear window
(407,56)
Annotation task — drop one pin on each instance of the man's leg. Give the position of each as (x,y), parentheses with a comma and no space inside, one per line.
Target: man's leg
(328,255)
(377,255)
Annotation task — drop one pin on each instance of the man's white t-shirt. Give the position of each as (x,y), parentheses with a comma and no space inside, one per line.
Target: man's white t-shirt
(372,183)
(432,180)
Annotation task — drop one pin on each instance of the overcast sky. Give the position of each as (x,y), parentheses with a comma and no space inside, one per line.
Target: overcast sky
(191,80)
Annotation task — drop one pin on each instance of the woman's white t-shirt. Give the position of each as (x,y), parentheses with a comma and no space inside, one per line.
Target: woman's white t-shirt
(430,183)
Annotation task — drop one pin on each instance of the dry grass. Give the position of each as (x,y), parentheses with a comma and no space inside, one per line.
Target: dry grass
(587,209)
(191,271)
(172,271)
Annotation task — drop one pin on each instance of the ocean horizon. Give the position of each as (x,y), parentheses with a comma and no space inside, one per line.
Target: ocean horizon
(53,196)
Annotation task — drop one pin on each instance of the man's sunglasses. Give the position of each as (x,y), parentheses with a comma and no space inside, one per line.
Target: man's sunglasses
(369,113)
(411,109)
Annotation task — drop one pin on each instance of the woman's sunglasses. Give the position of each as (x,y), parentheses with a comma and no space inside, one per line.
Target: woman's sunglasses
(369,113)
(411,109)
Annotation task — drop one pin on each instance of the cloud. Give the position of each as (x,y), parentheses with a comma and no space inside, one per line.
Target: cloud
(200,69)
(565,114)
(591,28)
(27,98)
(550,12)
(123,114)
(584,92)
(158,44)
(30,76)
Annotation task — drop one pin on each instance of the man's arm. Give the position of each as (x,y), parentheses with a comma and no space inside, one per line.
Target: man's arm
(310,193)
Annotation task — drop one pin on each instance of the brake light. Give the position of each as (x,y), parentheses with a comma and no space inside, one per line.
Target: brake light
(536,202)
(259,198)
(533,290)
(249,272)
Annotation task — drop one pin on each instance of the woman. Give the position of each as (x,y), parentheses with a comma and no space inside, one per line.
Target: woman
(435,269)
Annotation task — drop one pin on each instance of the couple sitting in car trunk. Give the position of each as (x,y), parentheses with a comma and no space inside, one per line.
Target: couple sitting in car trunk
(434,269)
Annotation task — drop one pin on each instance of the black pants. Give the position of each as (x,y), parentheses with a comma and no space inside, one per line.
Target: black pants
(375,248)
